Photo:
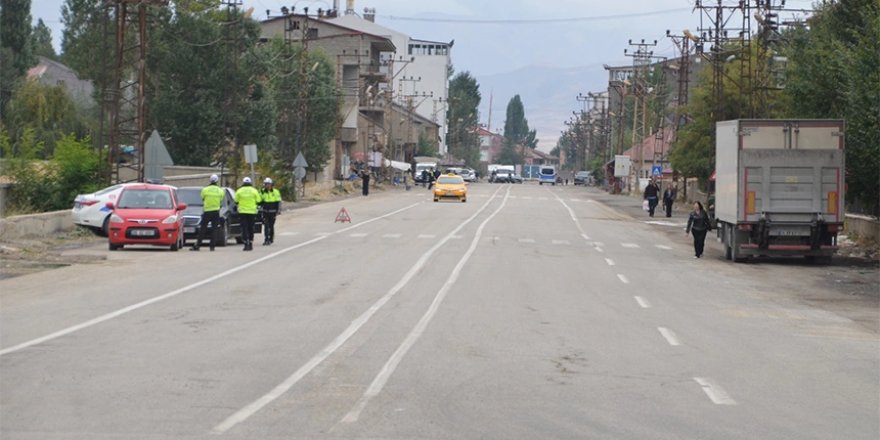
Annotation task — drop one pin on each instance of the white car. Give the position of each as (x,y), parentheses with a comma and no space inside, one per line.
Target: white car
(90,210)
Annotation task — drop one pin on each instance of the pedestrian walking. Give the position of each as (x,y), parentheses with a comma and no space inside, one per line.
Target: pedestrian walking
(365,178)
(652,193)
(247,197)
(698,226)
(212,196)
(668,199)
(271,206)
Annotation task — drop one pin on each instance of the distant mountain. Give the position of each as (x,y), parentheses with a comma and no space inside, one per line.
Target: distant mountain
(549,96)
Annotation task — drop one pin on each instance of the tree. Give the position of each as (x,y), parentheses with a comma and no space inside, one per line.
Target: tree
(516,132)
(834,72)
(48,111)
(463,116)
(41,41)
(15,46)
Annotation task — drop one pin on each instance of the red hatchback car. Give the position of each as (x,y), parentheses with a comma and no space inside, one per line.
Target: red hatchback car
(146,214)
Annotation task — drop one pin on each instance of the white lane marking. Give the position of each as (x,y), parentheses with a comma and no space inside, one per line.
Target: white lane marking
(527,197)
(599,249)
(664,223)
(542,198)
(289,233)
(357,235)
(391,236)
(670,336)
(598,243)
(324,234)
(255,406)
(173,293)
(642,302)
(714,391)
(609,261)
(664,247)
(526,240)
(586,237)
(623,278)
(575,200)
(391,365)
(629,245)
(561,242)
(427,236)
(457,237)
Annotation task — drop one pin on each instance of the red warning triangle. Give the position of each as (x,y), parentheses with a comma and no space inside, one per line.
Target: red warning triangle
(343,216)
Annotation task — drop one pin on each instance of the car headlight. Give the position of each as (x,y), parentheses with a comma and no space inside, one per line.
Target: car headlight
(170,219)
(116,219)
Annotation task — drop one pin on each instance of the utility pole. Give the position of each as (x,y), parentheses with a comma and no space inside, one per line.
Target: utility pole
(641,65)
(715,28)
(127,97)
(232,38)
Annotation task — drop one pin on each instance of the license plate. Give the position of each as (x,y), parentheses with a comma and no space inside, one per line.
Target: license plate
(189,230)
(142,233)
(790,232)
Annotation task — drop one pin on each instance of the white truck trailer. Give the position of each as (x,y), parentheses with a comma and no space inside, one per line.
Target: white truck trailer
(779,187)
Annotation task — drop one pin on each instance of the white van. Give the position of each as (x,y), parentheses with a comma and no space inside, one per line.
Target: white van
(422,166)
(548,175)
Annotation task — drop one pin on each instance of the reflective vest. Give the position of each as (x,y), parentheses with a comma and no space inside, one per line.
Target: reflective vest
(212,196)
(271,199)
(247,198)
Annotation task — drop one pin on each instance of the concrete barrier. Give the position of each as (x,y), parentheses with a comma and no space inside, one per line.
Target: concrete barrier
(863,226)
(35,225)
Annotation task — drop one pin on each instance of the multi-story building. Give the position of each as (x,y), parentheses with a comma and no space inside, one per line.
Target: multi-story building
(418,69)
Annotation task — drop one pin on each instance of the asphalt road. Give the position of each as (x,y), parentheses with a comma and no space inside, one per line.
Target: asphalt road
(529,312)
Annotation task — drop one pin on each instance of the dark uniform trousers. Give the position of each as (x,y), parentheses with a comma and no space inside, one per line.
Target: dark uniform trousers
(212,217)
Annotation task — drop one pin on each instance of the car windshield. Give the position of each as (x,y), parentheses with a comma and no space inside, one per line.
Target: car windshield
(190,196)
(109,189)
(582,174)
(145,199)
(449,180)
(548,171)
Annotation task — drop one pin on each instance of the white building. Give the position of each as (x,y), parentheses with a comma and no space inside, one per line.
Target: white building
(419,69)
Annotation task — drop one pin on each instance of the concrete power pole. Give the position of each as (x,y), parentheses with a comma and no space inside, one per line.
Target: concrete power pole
(641,65)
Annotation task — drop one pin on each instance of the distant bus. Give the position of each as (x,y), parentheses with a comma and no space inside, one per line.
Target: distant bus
(548,175)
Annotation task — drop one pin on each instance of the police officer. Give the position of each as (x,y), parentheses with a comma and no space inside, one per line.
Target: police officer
(271,203)
(247,197)
(212,196)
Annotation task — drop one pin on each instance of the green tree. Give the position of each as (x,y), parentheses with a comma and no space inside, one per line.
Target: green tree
(42,41)
(48,111)
(15,46)
(834,72)
(516,132)
(463,116)
(427,146)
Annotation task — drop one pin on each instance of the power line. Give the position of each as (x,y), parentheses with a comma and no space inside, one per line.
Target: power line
(535,20)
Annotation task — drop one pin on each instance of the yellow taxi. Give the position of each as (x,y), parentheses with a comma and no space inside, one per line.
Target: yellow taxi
(450,186)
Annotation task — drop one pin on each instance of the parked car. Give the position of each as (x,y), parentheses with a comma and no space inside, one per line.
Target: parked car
(450,186)
(90,210)
(146,214)
(468,174)
(230,226)
(501,176)
(515,178)
(582,178)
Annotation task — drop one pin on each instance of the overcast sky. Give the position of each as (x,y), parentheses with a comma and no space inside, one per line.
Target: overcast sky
(498,36)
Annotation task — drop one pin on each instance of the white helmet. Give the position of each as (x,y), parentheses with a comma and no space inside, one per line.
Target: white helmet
(247,180)
(267,180)
(214,178)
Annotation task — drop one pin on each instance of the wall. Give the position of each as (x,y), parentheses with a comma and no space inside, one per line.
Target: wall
(863,226)
(35,225)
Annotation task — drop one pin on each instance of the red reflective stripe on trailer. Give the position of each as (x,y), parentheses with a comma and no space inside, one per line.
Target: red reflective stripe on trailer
(839,196)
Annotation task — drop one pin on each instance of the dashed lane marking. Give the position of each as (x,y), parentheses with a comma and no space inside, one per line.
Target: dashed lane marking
(358,235)
(662,246)
(643,303)
(427,236)
(623,278)
(670,336)
(609,261)
(714,391)
(561,242)
(526,240)
(629,245)
(391,236)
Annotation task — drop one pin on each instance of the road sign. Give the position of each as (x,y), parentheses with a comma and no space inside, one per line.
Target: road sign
(300,161)
(343,216)
(299,172)
(250,153)
(656,170)
(621,165)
